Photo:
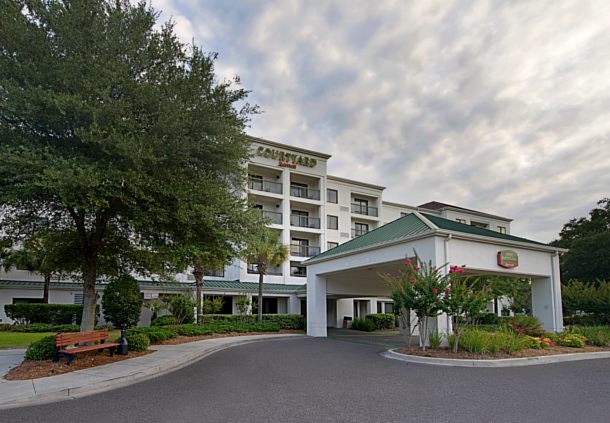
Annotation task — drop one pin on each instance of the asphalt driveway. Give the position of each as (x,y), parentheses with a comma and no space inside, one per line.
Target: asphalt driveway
(331,380)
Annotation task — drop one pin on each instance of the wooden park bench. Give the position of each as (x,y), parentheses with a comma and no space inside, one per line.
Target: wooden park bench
(96,340)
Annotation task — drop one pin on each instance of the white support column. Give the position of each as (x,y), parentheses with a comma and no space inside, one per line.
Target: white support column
(286,220)
(316,304)
(372,306)
(294,305)
(546,298)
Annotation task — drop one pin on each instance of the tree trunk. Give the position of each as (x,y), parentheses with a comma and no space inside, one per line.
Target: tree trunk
(198,273)
(261,275)
(47,285)
(89,297)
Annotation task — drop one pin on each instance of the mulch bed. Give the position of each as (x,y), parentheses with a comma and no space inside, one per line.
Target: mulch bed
(445,353)
(31,369)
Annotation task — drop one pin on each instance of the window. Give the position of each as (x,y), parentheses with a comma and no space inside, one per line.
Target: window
(330,245)
(27,300)
(299,247)
(332,196)
(360,229)
(219,273)
(332,222)
(502,229)
(461,221)
(297,270)
(255,182)
(479,224)
(298,190)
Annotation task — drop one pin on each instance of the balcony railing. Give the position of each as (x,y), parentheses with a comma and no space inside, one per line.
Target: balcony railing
(300,250)
(265,185)
(364,209)
(304,192)
(304,221)
(274,217)
(275,271)
(358,232)
(300,272)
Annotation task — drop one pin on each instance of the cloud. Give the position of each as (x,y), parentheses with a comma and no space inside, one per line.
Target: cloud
(501,107)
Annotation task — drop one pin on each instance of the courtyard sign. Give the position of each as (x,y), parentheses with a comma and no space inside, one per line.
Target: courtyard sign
(285,159)
(508,259)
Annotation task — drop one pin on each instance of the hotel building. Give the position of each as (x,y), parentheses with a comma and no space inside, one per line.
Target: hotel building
(311,211)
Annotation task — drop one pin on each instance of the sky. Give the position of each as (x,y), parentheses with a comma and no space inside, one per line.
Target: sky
(502,107)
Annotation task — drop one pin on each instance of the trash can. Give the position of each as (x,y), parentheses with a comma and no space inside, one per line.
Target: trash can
(347,322)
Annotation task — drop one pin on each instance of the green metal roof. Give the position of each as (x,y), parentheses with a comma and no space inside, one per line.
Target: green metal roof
(207,285)
(409,226)
(404,227)
(451,225)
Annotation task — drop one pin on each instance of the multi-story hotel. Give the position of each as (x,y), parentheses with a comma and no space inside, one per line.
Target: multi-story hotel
(311,211)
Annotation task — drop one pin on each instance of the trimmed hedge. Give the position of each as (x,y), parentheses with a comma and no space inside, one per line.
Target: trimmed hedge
(383,320)
(43,327)
(43,349)
(363,324)
(156,333)
(163,321)
(53,314)
(285,321)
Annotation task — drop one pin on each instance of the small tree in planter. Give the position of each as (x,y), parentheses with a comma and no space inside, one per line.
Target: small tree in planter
(419,287)
(461,298)
(243,304)
(122,301)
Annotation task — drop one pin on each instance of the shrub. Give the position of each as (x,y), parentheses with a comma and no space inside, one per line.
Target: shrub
(5,327)
(383,320)
(137,341)
(43,349)
(43,327)
(525,325)
(122,302)
(156,334)
(511,343)
(52,314)
(193,330)
(182,308)
(434,338)
(572,340)
(598,336)
(473,340)
(285,321)
(363,325)
(163,321)
(589,320)
(488,319)
(212,305)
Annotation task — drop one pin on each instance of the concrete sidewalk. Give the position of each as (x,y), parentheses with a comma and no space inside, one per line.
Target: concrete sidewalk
(10,359)
(91,381)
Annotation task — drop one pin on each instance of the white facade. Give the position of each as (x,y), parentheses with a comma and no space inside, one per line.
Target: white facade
(312,212)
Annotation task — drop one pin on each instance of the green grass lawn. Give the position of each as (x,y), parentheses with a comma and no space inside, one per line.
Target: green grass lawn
(20,340)
(23,340)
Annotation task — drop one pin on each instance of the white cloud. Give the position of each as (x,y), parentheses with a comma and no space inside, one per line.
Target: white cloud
(502,107)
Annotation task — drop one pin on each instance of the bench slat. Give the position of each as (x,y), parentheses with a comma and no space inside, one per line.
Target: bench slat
(89,348)
(69,338)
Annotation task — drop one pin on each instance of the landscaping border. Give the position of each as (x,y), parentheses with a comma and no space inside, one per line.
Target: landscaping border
(504,362)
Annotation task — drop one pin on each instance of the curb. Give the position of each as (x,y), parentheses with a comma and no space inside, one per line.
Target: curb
(123,381)
(504,362)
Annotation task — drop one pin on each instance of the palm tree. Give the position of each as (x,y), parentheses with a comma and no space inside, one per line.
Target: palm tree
(266,250)
(37,255)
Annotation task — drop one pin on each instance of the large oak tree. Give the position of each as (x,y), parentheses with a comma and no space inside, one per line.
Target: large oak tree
(118,134)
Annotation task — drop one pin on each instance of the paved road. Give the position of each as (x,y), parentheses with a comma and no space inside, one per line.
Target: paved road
(330,380)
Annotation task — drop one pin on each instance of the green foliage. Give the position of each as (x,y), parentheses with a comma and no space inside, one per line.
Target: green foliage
(588,241)
(517,290)
(182,308)
(44,327)
(489,319)
(473,341)
(53,314)
(574,340)
(598,336)
(156,334)
(163,321)
(265,249)
(524,325)
(478,341)
(122,302)
(382,320)
(363,325)
(194,330)
(137,341)
(5,327)
(586,303)
(212,305)
(134,151)
(42,349)
(284,321)
(435,339)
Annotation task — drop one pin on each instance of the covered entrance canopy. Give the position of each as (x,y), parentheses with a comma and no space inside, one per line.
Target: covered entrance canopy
(352,269)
